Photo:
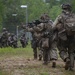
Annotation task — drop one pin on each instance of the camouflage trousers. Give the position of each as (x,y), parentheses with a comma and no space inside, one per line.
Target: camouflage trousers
(37,50)
(50,53)
(66,49)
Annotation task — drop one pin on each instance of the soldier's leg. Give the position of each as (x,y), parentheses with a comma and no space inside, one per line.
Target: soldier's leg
(40,53)
(63,52)
(49,56)
(35,52)
(71,56)
(34,46)
(54,57)
(7,43)
(3,44)
(53,54)
(15,45)
(40,49)
(45,56)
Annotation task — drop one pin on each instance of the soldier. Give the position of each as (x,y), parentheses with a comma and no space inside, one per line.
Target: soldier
(4,38)
(34,41)
(47,44)
(23,40)
(64,25)
(13,41)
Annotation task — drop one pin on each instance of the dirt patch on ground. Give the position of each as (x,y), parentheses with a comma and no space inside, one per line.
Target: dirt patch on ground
(28,66)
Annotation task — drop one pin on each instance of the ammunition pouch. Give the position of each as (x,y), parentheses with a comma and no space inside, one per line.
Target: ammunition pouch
(45,43)
(70,28)
(62,35)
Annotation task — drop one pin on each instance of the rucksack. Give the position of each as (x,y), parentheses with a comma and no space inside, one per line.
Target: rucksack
(69,23)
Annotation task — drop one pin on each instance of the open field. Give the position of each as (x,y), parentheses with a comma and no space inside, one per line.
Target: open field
(20,62)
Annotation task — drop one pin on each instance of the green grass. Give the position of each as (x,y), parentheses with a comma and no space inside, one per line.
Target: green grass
(29,69)
(3,73)
(12,52)
(16,51)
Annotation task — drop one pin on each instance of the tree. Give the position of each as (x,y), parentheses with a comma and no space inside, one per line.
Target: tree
(55,11)
(73,5)
(10,21)
(1,13)
(35,9)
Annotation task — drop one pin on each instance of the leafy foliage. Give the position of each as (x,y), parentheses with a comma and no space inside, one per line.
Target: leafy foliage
(73,5)
(54,12)
(34,7)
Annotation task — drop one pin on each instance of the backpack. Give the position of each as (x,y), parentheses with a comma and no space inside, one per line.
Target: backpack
(69,23)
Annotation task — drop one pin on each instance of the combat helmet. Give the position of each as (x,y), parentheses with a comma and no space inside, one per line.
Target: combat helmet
(44,17)
(66,6)
(4,29)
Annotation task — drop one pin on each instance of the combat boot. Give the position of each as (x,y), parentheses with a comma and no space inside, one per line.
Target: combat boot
(71,69)
(35,56)
(67,64)
(53,64)
(40,57)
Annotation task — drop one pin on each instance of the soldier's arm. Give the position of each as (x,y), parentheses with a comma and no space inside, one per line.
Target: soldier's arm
(39,27)
(56,22)
(28,29)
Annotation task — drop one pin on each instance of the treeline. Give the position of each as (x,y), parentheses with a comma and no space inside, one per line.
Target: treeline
(34,7)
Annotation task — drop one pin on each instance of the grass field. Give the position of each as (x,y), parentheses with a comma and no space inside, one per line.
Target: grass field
(20,61)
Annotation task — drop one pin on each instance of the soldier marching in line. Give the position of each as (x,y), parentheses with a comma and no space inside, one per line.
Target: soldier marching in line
(34,41)
(64,25)
(47,44)
(4,38)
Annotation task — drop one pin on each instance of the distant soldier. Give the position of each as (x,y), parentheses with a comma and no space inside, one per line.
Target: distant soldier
(23,40)
(13,41)
(64,25)
(4,38)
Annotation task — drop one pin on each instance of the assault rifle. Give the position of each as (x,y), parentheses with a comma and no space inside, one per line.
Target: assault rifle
(33,23)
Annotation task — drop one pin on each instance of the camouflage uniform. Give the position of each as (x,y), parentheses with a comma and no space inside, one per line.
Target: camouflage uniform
(46,32)
(23,40)
(4,38)
(34,41)
(66,41)
(13,41)
(34,45)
